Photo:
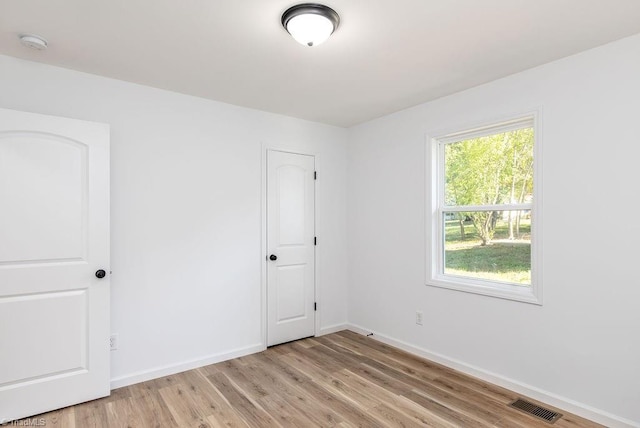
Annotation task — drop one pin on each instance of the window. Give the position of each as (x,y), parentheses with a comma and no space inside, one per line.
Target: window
(485,221)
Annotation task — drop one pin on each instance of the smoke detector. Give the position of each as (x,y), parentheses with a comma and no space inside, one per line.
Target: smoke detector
(33,42)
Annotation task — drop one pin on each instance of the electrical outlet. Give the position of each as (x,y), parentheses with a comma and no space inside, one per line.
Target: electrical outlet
(113,342)
(419,317)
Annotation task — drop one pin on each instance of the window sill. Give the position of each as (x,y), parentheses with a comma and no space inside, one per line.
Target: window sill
(486,288)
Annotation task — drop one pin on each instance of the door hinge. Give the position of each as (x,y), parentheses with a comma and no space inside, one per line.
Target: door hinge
(315,240)
(315,306)
(315,175)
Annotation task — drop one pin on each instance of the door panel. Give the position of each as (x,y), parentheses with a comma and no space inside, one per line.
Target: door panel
(54,317)
(291,203)
(290,299)
(54,235)
(47,219)
(290,238)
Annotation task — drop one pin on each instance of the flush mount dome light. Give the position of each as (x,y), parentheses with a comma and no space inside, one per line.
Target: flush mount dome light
(33,41)
(310,23)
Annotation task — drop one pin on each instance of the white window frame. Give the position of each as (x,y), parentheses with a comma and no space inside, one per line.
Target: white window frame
(436,209)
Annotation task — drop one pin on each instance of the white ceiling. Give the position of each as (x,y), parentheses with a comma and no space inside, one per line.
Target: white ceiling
(386,56)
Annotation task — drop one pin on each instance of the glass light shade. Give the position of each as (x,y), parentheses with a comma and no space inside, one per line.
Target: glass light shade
(310,29)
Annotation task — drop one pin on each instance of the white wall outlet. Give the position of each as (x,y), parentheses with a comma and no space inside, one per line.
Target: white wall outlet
(113,342)
(419,317)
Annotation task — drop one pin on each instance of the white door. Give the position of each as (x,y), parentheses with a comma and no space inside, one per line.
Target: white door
(290,247)
(54,237)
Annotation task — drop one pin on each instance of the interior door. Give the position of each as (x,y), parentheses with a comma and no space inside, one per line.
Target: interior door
(290,246)
(54,238)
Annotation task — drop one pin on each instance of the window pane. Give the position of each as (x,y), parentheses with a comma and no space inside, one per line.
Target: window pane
(491,245)
(496,169)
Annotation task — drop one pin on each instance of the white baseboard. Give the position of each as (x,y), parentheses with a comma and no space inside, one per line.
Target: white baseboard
(552,399)
(333,329)
(167,370)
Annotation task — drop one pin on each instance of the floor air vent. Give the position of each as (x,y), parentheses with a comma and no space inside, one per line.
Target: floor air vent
(535,410)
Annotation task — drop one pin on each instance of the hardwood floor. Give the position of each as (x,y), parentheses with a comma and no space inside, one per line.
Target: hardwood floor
(343,379)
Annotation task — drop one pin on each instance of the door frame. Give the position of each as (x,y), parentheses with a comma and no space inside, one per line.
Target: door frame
(266,147)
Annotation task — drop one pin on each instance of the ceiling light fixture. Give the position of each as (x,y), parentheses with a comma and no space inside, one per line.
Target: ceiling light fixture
(310,23)
(33,41)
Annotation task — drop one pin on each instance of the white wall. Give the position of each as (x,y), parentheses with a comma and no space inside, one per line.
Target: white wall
(186,212)
(583,344)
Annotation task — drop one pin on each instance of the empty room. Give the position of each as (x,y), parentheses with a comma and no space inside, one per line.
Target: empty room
(349,213)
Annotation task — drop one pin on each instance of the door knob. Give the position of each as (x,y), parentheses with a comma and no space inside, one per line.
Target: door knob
(100,273)
(273,257)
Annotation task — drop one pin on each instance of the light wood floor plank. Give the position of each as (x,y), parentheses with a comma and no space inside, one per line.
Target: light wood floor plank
(394,418)
(183,407)
(341,380)
(252,413)
(150,406)
(399,403)
(292,389)
(266,397)
(123,413)
(219,411)
(91,415)
(62,418)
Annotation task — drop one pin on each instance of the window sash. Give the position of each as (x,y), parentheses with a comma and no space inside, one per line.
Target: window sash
(484,131)
(441,270)
(498,207)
